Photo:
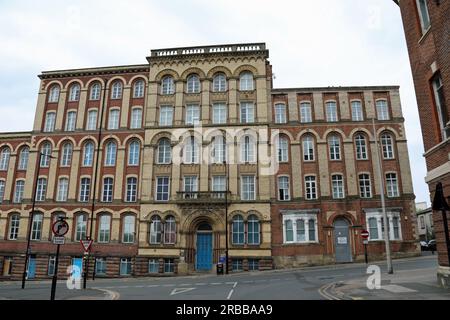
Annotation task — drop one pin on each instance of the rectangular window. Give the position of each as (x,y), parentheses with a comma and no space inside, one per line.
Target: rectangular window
(100,266)
(85,187)
(305,112)
(423,15)
(51,265)
(219,113)
(169,265)
(2,190)
(310,187)
(104,229)
(253,265)
(444,121)
(108,184)
(338,186)
(357,112)
(18,193)
(41,189)
(153,266)
(128,229)
(382,110)
(283,189)
(131,190)
(190,187)
(219,185)
(166,116)
(192,114)
(237,265)
(80,229)
(71,121)
(36,227)
(365,190)
(113,122)
(162,189)
(92,120)
(248,188)
(331,111)
(14,224)
(50,122)
(125,266)
(280,113)
(136,118)
(247,112)
(392,185)
(63,188)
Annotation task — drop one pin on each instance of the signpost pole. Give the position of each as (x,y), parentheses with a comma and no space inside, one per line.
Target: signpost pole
(55,275)
(59,228)
(365,252)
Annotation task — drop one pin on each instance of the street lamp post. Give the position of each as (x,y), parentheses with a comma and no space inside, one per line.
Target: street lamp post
(226,218)
(30,222)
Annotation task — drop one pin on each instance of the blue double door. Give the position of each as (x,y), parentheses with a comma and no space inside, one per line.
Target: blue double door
(204,258)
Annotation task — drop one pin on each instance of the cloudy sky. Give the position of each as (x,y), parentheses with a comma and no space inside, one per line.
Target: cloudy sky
(311,43)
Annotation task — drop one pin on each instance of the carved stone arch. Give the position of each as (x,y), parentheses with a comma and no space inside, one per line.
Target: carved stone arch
(167,72)
(342,215)
(335,131)
(64,140)
(390,130)
(310,132)
(169,213)
(152,214)
(49,85)
(21,146)
(83,141)
(165,134)
(237,213)
(199,72)
(136,78)
(215,132)
(103,211)
(255,213)
(287,134)
(41,142)
(242,132)
(219,69)
(132,137)
(367,134)
(111,137)
(7,144)
(114,79)
(70,83)
(92,81)
(197,217)
(245,67)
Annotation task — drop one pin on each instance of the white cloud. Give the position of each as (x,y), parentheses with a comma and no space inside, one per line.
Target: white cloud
(311,43)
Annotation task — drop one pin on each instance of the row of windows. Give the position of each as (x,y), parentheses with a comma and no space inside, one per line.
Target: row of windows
(337,186)
(219,83)
(23,158)
(92,120)
(95,91)
(331,111)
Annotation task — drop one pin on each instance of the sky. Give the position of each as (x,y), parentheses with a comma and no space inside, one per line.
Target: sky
(311,43)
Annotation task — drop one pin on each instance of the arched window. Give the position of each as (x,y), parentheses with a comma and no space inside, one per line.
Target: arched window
(14,224)
(167,85)
(308,148)
(219,82)
(387,145)
(248,149)
(88,154)
(133,153)
(23,158)
(218,151)
(283,149)
(193,84)
(128,229)
(4,158)
(139,89)
(238,230)
(361,147)
(246,81)
(80,228)
(253,230)
(334,145)
(46,151)
(54,94)
(66,157)
(155,230)
(170,230)
(191,151)
(164,151)
(74,92)
(116,92)
(111,148)
(95,91)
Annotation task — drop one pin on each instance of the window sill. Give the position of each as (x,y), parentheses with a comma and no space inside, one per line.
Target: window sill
(424,34)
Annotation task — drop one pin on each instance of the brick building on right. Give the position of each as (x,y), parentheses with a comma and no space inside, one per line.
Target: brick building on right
(427,30)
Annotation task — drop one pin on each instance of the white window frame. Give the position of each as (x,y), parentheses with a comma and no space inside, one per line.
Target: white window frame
(14,226)
(167,85)
(192,114)
(361,147)
(2,190)
(107,189)
(63,189)
(166,117)
(134,153)
(311,190)
(280,113)
(422,9)
(305,112)
(219,113)
(248,149)
(391,214)
(66,157)
(337,186)
(104,229)
(95,92)
(136,118)
(165,194)
(191,151)
(246,81)
(54,94)
(248,194)
(91,123)
(5,156)
(306,217)
(284,186)
(366,186)
(334,148)
(193,84)
(164,152)
(357,110)
(387,144)
(331,111)
(282,149)
(19,189)
(50,120)
(74,94)
(110,156)
(382,108)
(71,121)
(219,82)
(392,186)
(114,119)
(88,154)
(129,229)
(308,148)
(41,189)
(247,112)
(131,191)
(85,189)
(139,89)
(116,90)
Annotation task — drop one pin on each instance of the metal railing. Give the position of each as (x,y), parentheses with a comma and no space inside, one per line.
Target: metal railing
(245,47)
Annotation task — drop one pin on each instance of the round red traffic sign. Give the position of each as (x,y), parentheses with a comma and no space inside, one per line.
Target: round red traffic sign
(60,228)
(365,234)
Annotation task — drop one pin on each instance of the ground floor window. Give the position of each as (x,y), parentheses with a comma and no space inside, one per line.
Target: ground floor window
(153,266)
(125,266)
(100,266)
(300,227)
(7,266)
(169,266)
(51,265)
(375,225)
(253,264)
(237,265)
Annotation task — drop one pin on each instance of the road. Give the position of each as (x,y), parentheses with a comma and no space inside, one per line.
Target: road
(313,283)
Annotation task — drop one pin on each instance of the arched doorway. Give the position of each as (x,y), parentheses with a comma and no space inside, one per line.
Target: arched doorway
(204,247)
(343,251)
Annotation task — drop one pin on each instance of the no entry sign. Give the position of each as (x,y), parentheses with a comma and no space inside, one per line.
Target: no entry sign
(365,234)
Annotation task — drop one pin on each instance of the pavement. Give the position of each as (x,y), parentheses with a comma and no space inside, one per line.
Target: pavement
(413,278)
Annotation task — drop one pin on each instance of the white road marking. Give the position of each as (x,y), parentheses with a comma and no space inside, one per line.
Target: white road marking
(216,283)
(169,285)
(153,286)
(181,290)
(200,284)
(230,294)
(397,289)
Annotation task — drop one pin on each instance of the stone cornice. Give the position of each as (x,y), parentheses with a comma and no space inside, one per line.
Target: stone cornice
(94,71)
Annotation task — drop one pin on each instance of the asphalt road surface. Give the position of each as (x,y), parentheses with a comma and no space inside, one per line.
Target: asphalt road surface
(296,284)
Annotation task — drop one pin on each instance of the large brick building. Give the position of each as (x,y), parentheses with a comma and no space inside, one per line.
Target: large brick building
(427,30)
(193,134)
